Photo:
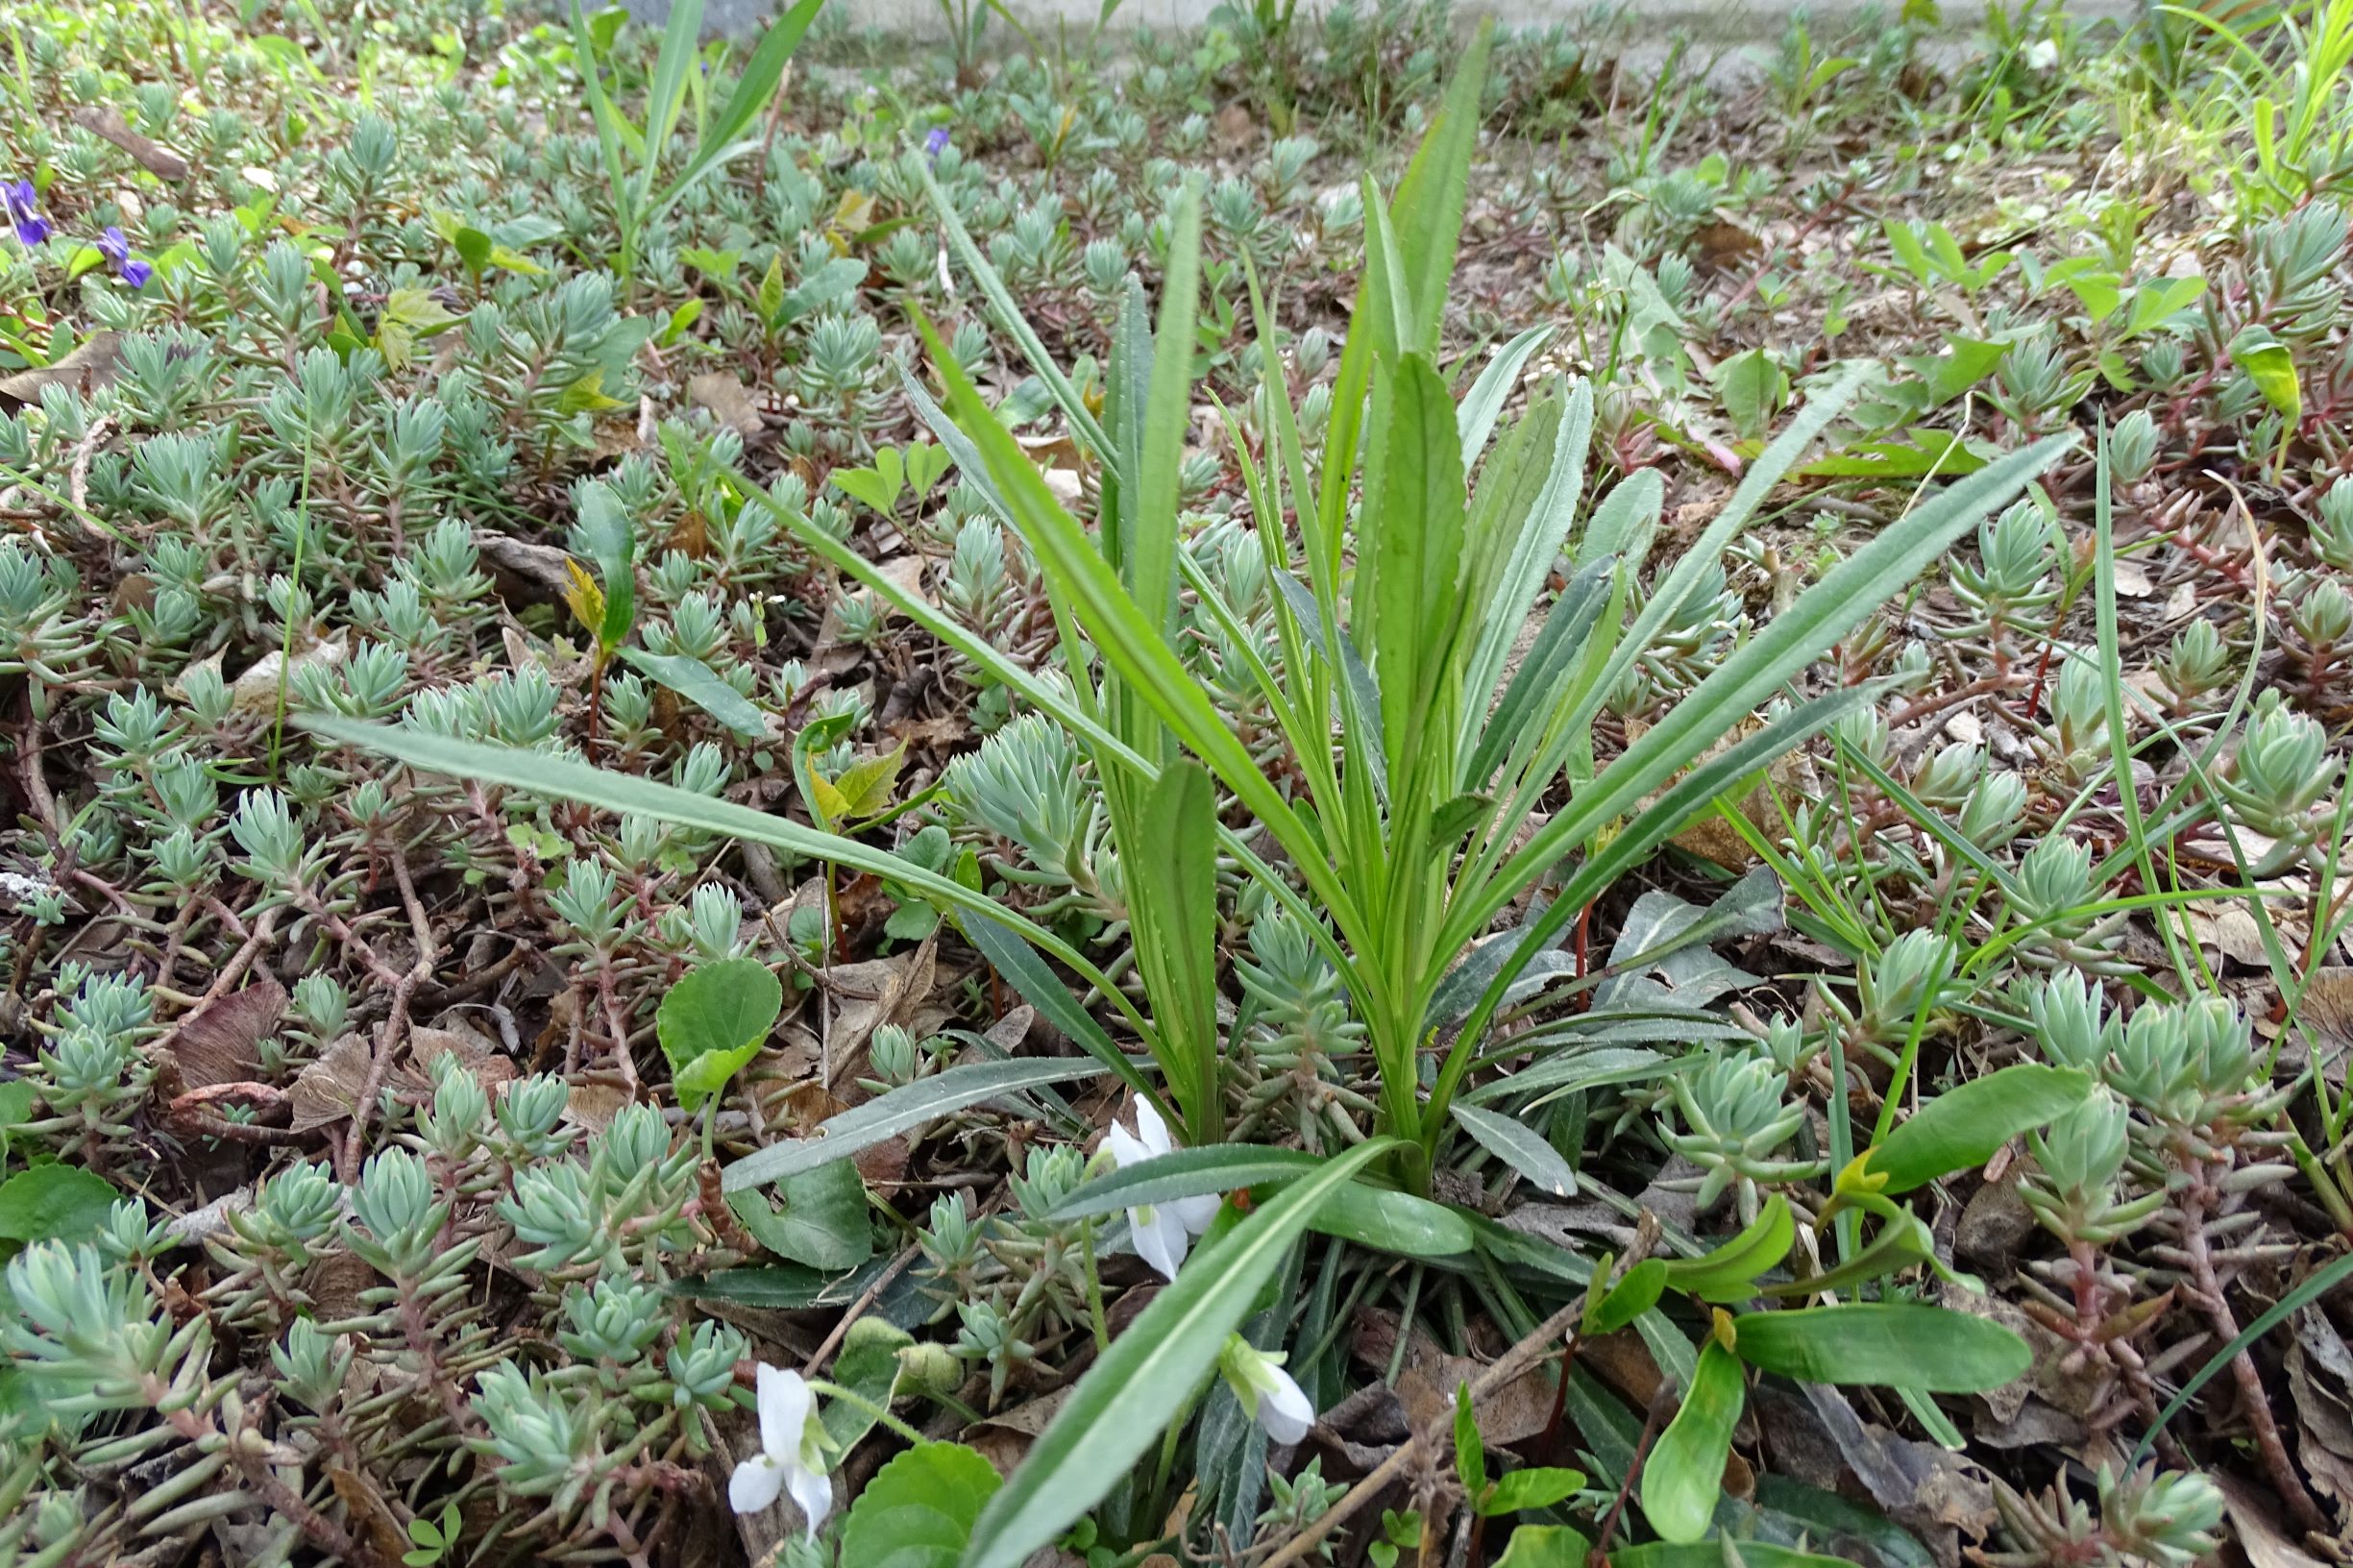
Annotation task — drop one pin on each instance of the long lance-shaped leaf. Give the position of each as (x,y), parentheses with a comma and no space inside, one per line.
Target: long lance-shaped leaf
(1683,800)
(1008,318)
(1683,1479)
(1128,643)
(1794,639)
(1432,196)
(1047,696)
(1769,469)
(762,71)
(1167,415)
(1484,403)
(667,96)
(563,779)
(1150,1373)
(1184,1173)
(1532,552)
(1172,908)
(602,110)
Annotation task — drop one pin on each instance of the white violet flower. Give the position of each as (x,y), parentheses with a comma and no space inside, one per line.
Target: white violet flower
(1163,1232)
(791,1454)
(1268,1391)
(2042,54)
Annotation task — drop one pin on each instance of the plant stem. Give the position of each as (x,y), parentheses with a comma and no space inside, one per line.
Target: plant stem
(2252,1399)
(859,1402)
(1513,1363)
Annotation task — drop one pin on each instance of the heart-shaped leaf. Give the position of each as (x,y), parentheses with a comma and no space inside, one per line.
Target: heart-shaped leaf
(920,1508)
(714,1022)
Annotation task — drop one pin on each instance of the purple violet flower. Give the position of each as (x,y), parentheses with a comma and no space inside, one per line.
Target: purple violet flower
(935,143)
(117,251)
(18,201)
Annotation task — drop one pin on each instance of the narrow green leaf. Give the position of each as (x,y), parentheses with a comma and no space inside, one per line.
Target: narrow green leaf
(1485,402)
(753,89)
(1901,1243)
(1428,213)
(1130,644)
(777,1286)
(1520,1148)
(1542,534)
(1470,1449)
(1167,419)
(1394,1222)
(1634,1295)
(1215,1169)
(1961,1128)
(2315,1286)
(1150,1373)
(910,1106)
(1414,509)
(681,37)
(1683,1478)
(1569,1074)
(1043,990)
(1534,1487)
(1172,903)
(1895,1344)
(1717,1554)
(699,684)
(1728,1273)
(561,778)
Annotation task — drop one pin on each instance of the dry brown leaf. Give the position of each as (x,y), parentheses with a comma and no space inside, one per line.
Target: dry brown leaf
(870,994)
(218,1044)
(1004,1440)
(326,1090)
(1722,244)
(157,160)
(1428,1378)
(94,363)
(540,567)
(2255,1515)
(2229,930)
(473,1050)
(270,678)
(594,1106)
(2327,1011)
(363,1502)
(728,400)
(2320,1375)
